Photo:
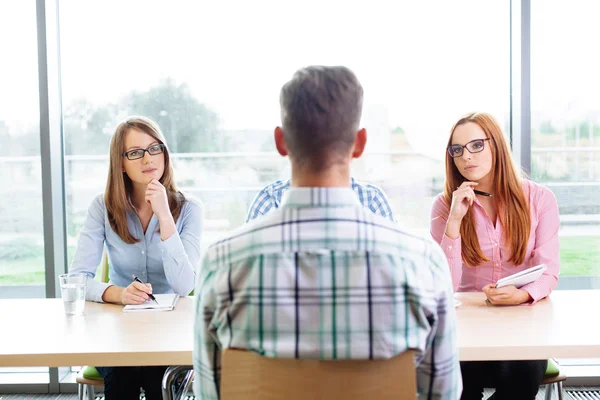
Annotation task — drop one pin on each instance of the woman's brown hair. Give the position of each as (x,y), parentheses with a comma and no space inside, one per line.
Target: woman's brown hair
(119,186)
(513,208)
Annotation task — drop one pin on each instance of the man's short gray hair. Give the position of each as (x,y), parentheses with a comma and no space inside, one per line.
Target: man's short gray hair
(320,112)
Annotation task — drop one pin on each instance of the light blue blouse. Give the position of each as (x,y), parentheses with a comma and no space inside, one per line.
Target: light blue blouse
(170,265)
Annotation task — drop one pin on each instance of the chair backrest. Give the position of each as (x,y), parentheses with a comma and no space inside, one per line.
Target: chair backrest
(104,267)
(247,376)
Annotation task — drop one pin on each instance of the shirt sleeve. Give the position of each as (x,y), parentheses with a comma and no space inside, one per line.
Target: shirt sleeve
(262,204)
(90,245)
(547,249)
(181,252)
(438,373)
(451,247)
(380,204)
(207,350)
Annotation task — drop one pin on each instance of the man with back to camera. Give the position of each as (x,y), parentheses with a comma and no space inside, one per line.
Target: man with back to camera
(321,277)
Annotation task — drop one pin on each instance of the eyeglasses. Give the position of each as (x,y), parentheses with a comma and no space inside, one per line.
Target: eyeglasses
(474,146)
(139,153)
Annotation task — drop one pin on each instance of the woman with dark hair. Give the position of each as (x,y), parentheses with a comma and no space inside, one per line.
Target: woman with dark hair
(491,223)
(149,228)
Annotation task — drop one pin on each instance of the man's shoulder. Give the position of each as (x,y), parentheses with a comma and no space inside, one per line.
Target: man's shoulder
(276,186)
(373,197)
(359,186)
(267,198)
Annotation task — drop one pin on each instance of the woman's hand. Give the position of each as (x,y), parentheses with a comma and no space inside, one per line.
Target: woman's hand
(506,296)
(136,293)
(462,199)
(156,195)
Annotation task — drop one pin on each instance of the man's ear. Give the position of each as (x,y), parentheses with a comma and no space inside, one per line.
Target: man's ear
(280,141)
(359,143)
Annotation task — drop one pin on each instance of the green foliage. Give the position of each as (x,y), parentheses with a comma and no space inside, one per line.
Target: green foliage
(188,125)
(18,249)
(584,131)
(397,131)
(88,128)
(546,127)
(580,256)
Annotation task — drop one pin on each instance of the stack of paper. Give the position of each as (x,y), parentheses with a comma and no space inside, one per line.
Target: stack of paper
(166,302)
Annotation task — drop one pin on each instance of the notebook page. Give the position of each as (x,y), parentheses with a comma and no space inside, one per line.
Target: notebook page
(166,302)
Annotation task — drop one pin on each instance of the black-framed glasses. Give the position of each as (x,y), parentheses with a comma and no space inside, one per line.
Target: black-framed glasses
(136,154)
(474,146)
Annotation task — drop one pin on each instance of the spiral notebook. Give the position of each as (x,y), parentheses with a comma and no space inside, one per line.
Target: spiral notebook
(166,302)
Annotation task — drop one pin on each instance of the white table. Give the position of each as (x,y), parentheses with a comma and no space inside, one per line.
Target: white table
(565,325)
(36,332)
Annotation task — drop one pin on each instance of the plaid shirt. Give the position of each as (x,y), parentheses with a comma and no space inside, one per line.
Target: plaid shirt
(323,278)
(370,196)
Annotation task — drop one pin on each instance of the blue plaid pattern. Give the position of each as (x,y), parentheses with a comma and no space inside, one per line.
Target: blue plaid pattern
(370,196)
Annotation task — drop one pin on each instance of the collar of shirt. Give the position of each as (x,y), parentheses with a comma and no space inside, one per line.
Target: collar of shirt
(319,197)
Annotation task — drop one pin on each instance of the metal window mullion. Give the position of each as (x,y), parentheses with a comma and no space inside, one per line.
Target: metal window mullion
(520,81)
(51,145)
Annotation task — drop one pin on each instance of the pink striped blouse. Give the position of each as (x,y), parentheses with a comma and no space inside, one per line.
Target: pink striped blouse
(543,246)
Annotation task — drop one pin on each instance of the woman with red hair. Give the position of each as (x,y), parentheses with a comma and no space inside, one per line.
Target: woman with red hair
(491,223)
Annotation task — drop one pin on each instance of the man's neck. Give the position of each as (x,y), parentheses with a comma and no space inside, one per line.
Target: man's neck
(336,176)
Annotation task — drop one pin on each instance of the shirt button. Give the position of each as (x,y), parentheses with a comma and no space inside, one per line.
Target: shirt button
(450,247)
(495,244)
(143,252)
(495,265)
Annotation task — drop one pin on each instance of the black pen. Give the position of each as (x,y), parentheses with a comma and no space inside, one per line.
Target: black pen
(479,192)
(135,278)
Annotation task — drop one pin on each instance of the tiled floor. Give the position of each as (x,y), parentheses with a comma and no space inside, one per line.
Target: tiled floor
(488,393)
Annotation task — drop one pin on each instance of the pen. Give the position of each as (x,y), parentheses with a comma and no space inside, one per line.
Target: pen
(479,192)
(135,278)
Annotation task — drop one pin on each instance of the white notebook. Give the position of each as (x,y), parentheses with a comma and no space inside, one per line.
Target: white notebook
(166,302)
(522,278)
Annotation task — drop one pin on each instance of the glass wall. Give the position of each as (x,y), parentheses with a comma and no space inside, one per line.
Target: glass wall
(214,90)
(21,231)
(565,136)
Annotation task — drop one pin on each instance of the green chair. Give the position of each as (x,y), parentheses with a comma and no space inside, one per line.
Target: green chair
(87,379)
(553,376)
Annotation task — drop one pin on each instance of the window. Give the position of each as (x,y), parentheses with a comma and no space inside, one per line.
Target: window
(565,138)
(21,229)
(214,90)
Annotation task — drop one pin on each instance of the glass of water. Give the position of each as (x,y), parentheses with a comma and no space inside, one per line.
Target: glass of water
(72,288)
